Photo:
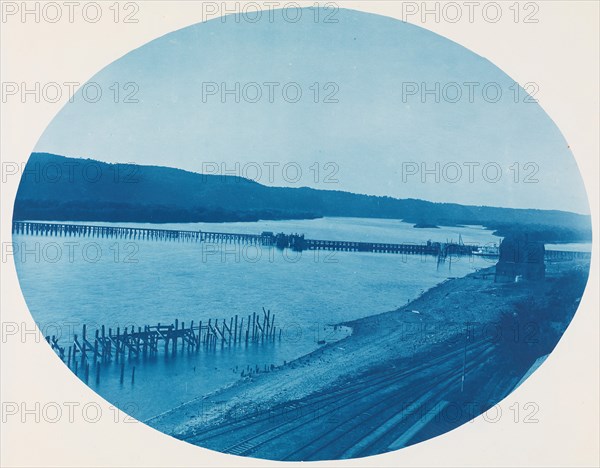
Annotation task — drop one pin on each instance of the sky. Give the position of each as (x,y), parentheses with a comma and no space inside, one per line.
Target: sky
(371,129)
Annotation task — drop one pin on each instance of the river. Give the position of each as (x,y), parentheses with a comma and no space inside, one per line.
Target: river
(70,281)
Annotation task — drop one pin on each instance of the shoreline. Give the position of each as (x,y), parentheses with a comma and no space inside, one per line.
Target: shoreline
(376,341)
(352,325)
(433,324)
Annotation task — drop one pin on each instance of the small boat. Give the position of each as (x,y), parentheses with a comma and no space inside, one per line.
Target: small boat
(487,251)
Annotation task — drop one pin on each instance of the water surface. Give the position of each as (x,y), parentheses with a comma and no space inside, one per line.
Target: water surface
(120,282)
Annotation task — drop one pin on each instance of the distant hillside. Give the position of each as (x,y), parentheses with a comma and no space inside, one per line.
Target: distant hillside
(123,192)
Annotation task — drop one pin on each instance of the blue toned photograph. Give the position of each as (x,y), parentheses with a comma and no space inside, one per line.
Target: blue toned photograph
(305,235)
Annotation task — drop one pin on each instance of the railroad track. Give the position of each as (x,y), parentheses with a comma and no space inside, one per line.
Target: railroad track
(383,389)
(355,436)
(381,379)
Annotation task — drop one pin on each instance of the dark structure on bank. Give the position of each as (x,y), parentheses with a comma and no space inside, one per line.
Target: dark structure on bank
(520,258)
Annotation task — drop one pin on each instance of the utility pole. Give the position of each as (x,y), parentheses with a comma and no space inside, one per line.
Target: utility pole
(462,380)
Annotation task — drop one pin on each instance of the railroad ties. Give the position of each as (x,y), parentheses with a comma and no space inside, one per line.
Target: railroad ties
(169,340)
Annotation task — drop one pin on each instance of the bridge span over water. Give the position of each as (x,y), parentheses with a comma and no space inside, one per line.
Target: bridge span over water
(292,241)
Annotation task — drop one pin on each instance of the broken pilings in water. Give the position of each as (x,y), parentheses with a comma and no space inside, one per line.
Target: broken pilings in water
(147,340)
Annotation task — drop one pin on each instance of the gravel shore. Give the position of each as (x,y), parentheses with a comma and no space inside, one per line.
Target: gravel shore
(442,317)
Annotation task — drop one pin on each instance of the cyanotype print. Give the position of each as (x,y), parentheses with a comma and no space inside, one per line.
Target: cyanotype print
(316,236)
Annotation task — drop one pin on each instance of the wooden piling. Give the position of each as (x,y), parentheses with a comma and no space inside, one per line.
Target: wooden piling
(103,341)
(208,334)
(235,329)
(146,339)
(199,335)
(175,338)
(182,336)
(83,342)
(191,336)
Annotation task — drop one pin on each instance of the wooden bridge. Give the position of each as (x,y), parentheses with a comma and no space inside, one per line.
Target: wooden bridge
(282,241)
(429,248)
(554,255)
(116,232)
(292,241)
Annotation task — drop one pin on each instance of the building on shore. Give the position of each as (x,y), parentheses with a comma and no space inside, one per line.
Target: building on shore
(520,258)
